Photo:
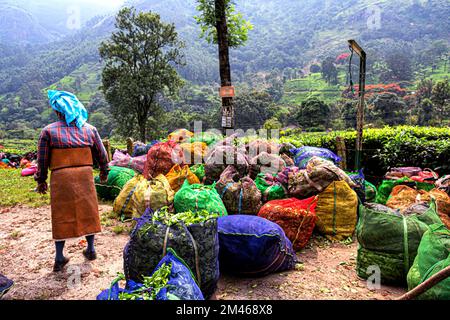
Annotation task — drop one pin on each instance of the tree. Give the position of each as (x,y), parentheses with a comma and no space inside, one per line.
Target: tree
(389,109)
(140,58)
(220,24)
(329,71)
(313,113)
(440,96)
(425,112)
(349,113)
(400,67)
(253,109)
(424,90)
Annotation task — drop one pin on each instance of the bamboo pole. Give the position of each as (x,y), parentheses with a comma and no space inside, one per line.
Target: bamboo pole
(341,152)
(426,285)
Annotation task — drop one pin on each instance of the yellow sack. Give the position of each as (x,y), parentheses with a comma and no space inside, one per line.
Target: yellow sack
(178,175)
(180,135)
(159,194)
(337,211)
(194,152)
(130,201)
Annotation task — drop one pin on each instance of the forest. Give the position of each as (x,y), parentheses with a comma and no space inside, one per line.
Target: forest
(295,64)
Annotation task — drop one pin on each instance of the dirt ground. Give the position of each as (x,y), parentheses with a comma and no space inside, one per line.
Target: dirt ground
(26,256)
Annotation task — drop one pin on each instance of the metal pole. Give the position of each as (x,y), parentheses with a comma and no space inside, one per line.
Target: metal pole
(361,103)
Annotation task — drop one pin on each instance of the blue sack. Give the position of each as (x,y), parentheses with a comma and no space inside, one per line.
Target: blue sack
(141,150)
(5,285)
(253,246)
(360,181)
(181,284)
(304,154)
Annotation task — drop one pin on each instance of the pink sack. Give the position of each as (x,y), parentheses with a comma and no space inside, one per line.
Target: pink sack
(29,171)
(126,161)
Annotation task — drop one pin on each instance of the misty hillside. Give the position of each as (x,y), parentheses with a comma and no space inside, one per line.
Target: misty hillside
(288,35)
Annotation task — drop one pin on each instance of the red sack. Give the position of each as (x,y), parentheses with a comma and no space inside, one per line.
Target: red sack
(296,217)
(427,175)
(161,158)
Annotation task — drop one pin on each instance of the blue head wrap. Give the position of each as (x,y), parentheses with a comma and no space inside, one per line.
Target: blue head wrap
(69,105)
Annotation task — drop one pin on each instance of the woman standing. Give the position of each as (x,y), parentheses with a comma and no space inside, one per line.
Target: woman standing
(69,148)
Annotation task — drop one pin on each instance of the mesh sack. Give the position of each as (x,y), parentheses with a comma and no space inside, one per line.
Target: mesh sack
(395,237)
(433,255)
(337,211)
(296,217)
(269,187)
(239,195)
(199,197)
(253,246)
(117,178)
(162,157)
(177,175)
(221,157)
(304,154)
(196,244)
(181,284)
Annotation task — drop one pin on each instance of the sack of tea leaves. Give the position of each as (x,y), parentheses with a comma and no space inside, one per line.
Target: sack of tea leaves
(239,195)
(337,211)
(199,171)
(269,187)
(433,256)
(117,179)
(171,280)
(197,197)
(254,246)
(304,154)
(223,156)
(390,242)
(266,163)
(193,235)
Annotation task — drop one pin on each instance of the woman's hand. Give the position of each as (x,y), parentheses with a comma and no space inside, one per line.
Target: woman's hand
(42,188)
(104,177)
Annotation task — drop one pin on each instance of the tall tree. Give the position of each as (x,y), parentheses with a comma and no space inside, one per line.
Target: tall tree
(140,58)
(441,97)
(329,71)
(313,114)
(220,24)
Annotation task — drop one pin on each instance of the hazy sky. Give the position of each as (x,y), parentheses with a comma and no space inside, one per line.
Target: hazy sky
(111,3)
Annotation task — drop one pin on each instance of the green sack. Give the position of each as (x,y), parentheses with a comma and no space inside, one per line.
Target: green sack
(207,137)
(385,189)
(269,191)
(370,191)
(197,197)
(390,241)
(117,179)
(433,255)
(199,171)
(425,186)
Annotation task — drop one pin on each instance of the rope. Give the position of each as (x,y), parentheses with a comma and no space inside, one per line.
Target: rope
(166,238)
(127,201)
(334,209)
(304,217)
(405,245)
(350,71)
(241,195)
(197,262)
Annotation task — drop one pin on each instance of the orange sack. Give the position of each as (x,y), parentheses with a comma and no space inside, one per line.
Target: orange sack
(296,217)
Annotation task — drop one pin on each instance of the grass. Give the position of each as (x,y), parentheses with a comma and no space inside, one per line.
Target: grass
(15,190)
(298,90)
(16,235)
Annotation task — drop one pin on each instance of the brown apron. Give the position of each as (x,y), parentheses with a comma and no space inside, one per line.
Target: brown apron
(72,192)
